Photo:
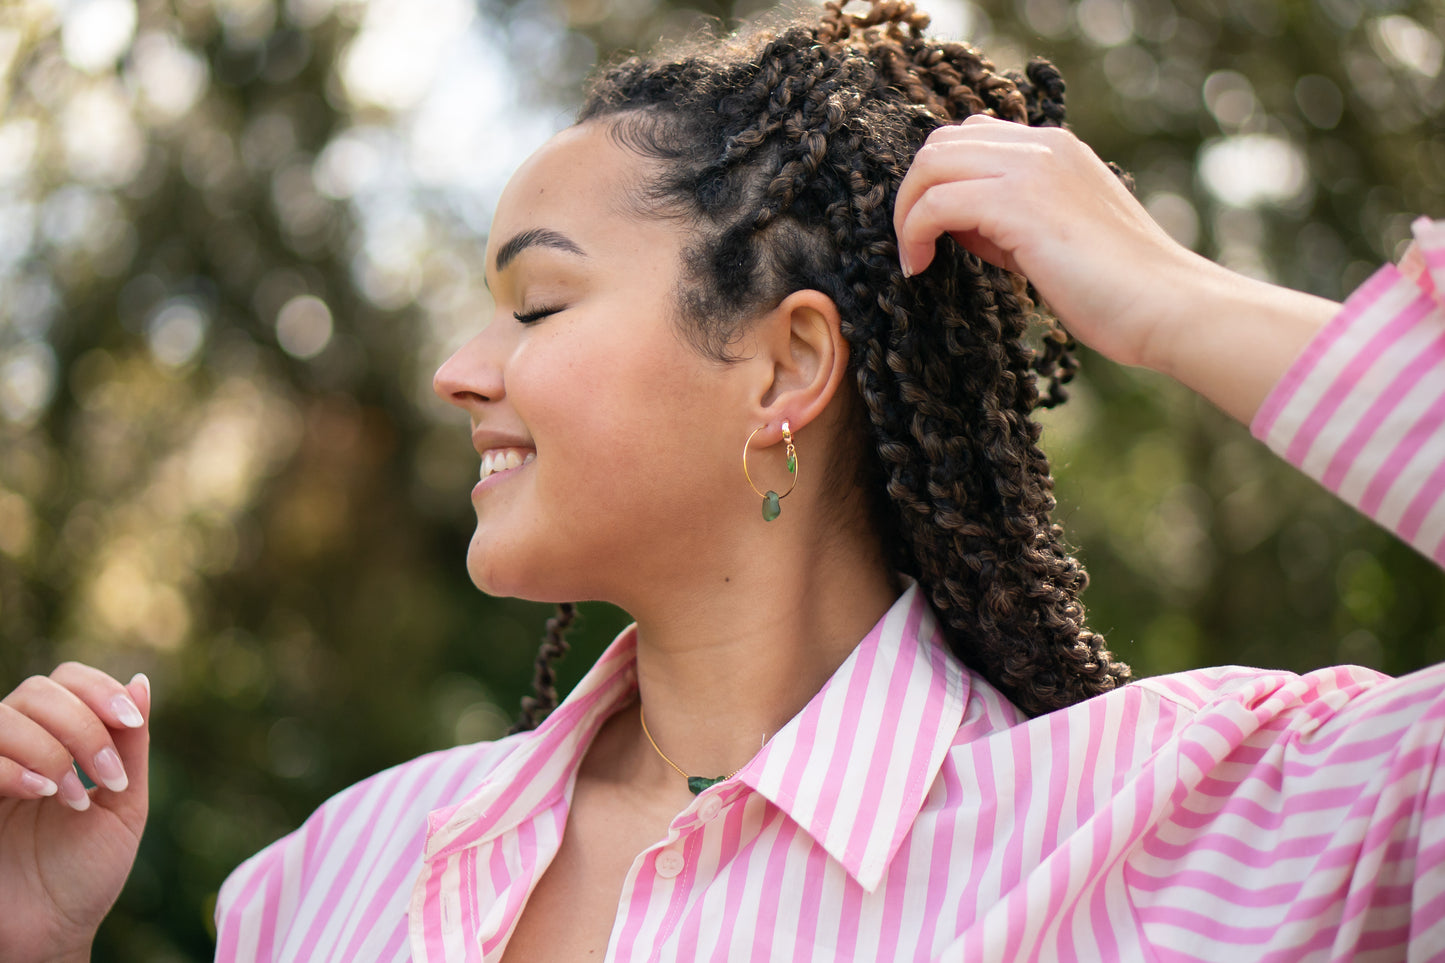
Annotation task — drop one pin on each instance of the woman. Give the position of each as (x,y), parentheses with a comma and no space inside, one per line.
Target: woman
(859,714)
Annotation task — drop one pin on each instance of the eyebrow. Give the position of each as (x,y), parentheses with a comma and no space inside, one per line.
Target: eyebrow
(537,237)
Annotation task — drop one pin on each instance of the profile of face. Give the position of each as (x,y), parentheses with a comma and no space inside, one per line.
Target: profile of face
(628,437)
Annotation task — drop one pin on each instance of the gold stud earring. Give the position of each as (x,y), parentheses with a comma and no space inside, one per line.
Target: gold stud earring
(771,507)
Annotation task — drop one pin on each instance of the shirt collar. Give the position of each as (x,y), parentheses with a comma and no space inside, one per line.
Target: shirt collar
(852,769)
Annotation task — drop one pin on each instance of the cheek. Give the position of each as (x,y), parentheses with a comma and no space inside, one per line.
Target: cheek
(632,424)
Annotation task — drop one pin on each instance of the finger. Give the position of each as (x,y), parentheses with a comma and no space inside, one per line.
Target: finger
(107,698)
(975,144)
(962,209)
(954,162)
(19,782)
(75,724)
(134,748)
(26,747)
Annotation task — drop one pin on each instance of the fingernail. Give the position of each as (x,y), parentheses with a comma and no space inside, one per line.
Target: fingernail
(144,680)
(903,263)
(109,772)
(36,783)
(126,712)
(74,793)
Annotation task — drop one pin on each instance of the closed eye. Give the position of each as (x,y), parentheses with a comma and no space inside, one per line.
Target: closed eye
(537,314)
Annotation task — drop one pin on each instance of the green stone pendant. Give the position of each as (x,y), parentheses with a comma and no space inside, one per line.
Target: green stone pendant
(697,784)
(771,508)
(792,464)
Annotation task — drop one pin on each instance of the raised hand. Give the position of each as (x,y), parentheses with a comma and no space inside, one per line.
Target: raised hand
(1040,202)
(65,852)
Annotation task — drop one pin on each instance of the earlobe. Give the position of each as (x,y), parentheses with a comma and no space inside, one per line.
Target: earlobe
(803,339)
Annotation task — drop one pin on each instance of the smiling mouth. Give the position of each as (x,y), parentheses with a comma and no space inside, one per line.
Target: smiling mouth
(499,460)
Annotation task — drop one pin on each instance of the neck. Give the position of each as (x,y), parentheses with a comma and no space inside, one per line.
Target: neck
(722,667)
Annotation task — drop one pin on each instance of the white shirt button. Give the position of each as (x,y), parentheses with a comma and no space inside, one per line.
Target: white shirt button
(709,809)
(669,863)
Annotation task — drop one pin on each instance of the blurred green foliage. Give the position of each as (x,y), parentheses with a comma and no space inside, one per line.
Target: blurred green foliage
(236,236)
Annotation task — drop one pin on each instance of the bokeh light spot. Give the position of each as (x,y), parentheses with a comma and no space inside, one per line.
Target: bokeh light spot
(171,78)
(1253,169)
(176,332)
(94,34)
(1230,98)
(27,381)
(303,327)
(103,145)
(1403,41)
(1107,23)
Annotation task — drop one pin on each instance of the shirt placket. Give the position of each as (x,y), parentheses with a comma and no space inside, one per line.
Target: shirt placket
(659,884)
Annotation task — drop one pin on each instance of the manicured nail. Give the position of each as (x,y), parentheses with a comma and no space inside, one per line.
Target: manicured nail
(109,772)
(126,712)
(903,263)
(36,783)
(73,792)
(144,680)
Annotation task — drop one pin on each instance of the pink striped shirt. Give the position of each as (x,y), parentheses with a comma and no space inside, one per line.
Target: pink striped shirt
(909,812)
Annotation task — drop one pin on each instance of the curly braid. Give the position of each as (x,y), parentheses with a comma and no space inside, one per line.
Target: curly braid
(537,707)
(786,151)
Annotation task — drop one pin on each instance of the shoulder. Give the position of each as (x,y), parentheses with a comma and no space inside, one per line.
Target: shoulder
(1343,696)
(1198,689)
(1334,725)
(374,825)
(1226,704)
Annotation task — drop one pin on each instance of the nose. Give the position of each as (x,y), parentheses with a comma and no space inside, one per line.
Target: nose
(471,376)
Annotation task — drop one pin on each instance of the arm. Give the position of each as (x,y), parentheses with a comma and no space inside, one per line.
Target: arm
(1362,410)
(1353,397)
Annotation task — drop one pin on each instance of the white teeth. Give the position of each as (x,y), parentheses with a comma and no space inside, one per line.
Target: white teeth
(498,461)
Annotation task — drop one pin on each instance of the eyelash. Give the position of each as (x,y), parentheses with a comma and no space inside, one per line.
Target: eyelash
(527,317)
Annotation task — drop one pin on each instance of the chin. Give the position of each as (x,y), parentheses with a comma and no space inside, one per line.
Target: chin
(509,574)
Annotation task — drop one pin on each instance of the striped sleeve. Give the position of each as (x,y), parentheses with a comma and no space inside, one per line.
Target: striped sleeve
(1309,820)
(1361,410)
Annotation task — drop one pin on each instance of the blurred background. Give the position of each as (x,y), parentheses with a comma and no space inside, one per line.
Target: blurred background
(237,236)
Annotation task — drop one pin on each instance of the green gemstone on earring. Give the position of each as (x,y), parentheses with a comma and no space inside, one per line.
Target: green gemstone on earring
(771,508)
(697,784)
(792,464)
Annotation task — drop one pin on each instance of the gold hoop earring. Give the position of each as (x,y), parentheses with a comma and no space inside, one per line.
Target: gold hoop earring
(771,508)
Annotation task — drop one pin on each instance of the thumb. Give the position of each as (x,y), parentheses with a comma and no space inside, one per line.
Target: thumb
(134,748)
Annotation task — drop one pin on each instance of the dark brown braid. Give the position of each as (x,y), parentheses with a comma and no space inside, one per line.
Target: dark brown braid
(537,707)
(786,150)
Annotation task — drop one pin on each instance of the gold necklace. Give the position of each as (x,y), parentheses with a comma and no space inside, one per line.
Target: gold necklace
(695,784)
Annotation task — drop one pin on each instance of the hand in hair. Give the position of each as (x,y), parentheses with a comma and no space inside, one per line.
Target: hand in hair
(1039,202)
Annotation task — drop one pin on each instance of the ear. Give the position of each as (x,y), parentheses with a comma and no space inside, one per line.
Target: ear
(801,357)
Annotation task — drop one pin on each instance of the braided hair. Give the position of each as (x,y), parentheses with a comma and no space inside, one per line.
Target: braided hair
(786,150)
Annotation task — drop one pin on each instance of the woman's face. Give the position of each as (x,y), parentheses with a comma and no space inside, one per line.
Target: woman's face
(628,439)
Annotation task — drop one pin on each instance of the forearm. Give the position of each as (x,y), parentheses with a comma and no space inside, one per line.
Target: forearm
(1233,337)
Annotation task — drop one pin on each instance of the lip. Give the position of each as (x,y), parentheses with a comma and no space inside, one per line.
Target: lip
(482,440)
(498,477)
